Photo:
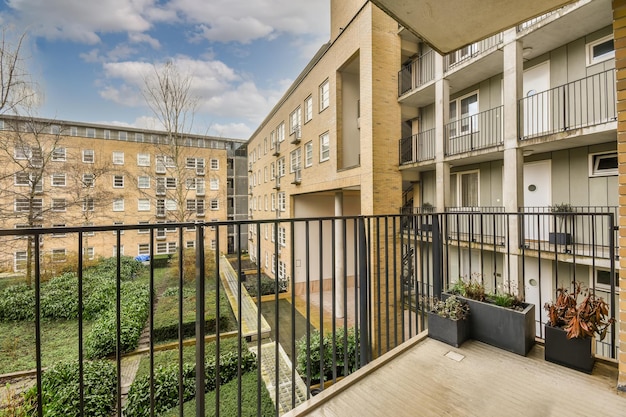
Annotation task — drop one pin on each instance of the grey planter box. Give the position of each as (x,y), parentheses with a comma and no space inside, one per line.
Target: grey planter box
(573,353)
(501,327)
(452,332)
(558,238)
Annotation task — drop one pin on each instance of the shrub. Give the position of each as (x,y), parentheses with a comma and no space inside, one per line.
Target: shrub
(166,379)
(17,303)
(102,340)
(189,265)
(60,389)
(268,286)
(129,268)
(343,351)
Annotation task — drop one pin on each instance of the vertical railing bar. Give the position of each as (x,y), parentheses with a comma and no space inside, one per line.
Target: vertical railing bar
(411,264)
(308,304)
(345,293)
(240,328)
(258,317)
(151,331)
(357,290)
(612,282)
(321,298)
(181,335)
(36,279)
(333,231)
(81,383)
(293,315)
(395,284)
(118,320)
(363,295)
(277,249)
(200,321)
(218,310)
(386,240)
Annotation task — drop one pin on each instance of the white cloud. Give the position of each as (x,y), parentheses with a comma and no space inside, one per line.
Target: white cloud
(231,130)
(135,37)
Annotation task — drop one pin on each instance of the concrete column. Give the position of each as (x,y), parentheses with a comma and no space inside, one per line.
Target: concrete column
(619,35)
(442,107)
(513,175)
(339,257)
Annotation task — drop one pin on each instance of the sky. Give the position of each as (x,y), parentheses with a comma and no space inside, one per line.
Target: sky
(89,58)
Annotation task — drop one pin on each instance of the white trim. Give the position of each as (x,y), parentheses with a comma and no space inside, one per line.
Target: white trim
(591,60)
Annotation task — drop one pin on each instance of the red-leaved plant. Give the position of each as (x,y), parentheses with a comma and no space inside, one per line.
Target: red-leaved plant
(582,319)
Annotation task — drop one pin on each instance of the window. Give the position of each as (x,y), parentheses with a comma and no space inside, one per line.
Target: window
(282,267)
(143,249)
(264,146)
(58,180)
(89,180)
(295,120)
(58,234)
(273,202)
(280,167)
(88,205)
(73,131)
(324,95)
(196,206)
(214,184)
(59,255)
(213,245)
(88,156)
(281,201)
(55,129)
(215,164)
(465,189)
(118,204)
(89,252)
(603,164)
(59,154)
(106,134)
(118,224)
(22,205)
(190,244)
(143,160)
(308,154)
(214,204)
(280,132)
(603,279)
(22,179)
(143,204)
(161,247)
(19,260)
(308,109)
(296,157)
(282,239)
(58,204)
(90,132)
(272,139)
(170,204)
(118,181)
(138,137)
(324,147)
(122,136)
(600,50)
(143,181)
(118,158)
(170,183)
(143,230)
(115,250)
(464,110)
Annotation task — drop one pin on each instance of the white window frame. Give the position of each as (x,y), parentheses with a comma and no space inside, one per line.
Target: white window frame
(143,249)
(308,109)
(214,184)
(88,205)
(59,204)
(118,158)
(143,159)
(143,204)
(602,285)
(591,60)
(280,132)
(118,181)
(89,156)
(459,187)
(594,164)
(215,164)
(58,255)
(214,204)
(90,132)
(58,180)
(59,155)
(122,135)
(324,91)
(118,204)
(464,130)
(22,179)
(295,120)
(324,146)
(295,160)
(143,181)
(282,201)
(308,154)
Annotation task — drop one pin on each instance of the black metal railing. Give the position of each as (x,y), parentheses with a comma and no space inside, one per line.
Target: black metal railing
(417,148)
(582,103)
(455,58)
(479,131)
(314,300)
(416,73)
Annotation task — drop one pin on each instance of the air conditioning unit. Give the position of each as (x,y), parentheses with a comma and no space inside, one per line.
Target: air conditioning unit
(297,177)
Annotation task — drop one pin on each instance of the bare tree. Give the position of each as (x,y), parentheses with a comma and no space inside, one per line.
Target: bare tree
(167,92)
(16,87)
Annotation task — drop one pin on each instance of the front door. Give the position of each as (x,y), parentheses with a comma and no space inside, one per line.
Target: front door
(537,198)
(536,118)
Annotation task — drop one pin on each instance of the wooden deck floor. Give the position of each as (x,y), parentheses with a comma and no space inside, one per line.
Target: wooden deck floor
(418,379)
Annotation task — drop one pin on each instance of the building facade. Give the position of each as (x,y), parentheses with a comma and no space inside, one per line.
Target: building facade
(59,173)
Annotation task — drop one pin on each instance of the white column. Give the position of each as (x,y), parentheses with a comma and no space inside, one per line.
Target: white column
(339,257)
(442,107)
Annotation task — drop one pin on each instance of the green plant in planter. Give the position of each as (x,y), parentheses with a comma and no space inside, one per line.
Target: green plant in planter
(427,207)
(451,308)
(472,289)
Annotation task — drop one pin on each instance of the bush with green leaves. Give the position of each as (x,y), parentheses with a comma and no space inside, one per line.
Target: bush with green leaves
(135,303)
(267,286)
(166,379)
(17,303)
(129,268)
(60,390)
(344,347)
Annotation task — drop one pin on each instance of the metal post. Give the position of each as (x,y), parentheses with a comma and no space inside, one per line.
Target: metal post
(437,258)
(200,383)
(363,296)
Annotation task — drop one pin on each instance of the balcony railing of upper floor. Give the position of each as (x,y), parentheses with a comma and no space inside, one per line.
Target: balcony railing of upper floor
(479,131)
(458,57)
(205,309)
(418,148)
(529,23)
(416,73)
(582,103)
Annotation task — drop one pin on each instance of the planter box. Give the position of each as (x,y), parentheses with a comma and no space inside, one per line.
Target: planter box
(556,238)
(452,332)
(573,353)
(501,327)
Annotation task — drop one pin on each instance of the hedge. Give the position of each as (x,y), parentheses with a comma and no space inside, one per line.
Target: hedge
(166,379)
(60,390)
(312,357)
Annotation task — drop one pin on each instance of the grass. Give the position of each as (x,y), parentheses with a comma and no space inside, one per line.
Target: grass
(59,339)
(10,281)
(169,357)
(228,400)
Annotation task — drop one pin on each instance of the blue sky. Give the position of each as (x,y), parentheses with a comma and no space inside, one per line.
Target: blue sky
(89,57)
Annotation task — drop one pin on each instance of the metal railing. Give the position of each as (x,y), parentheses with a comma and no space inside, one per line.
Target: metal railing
(417,148)
(479,131)
(454,59)
(416,73)
(362,281)
(582,103)
(532,22)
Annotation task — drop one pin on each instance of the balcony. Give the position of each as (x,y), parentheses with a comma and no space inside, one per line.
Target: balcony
(460,56)
(418,148)
(374,304)
(579,104)
(417,73)
(479,131)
